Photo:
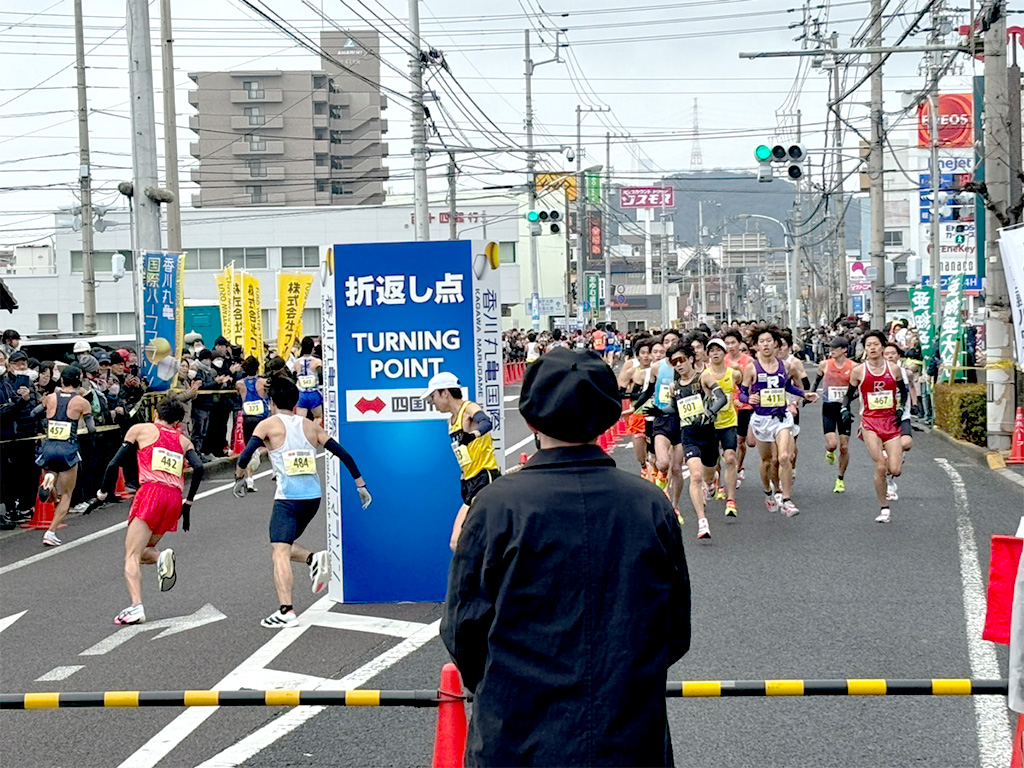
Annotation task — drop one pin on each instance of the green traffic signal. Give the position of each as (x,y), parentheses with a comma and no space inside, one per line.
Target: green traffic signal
(533,216)
(763,152)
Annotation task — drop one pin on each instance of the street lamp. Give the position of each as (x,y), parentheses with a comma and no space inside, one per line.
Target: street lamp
(791,266)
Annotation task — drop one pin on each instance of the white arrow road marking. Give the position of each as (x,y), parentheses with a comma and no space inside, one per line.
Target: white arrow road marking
(59,673)
(990,712)
(6,622)
(205,615)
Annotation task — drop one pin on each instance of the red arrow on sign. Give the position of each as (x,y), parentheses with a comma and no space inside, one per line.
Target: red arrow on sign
(376,405)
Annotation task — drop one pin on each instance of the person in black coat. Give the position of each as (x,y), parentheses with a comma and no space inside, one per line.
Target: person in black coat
(568,595)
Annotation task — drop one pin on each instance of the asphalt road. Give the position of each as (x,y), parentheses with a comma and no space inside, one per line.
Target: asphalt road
(827,594)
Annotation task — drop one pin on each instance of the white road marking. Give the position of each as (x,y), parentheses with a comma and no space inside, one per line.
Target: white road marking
(288,722)
(205,615)
(7,621)
(112,529)
(510,398)
(994,737)
(359,623)
(59,673)
(513,448)
(1012,476)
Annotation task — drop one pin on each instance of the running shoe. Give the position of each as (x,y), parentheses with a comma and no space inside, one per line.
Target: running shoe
(703,529)
(133,614)
(679,517)
(707,491)
(883,515)
(789,509)
(730,508)
(830,457)
(278,620)
(320,570)
(890,490)
(840,486)
(166,575)
(661,480)
(250,485)
(46,491)
(720,493)
(50,539)
(771,503)
(254,463)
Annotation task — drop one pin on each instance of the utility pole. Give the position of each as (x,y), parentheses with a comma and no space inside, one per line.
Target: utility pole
(531,196)
(665,320)
(998,329)
(452,213)
(419,128)
(840,203)
(607,199)
(794,267)
(85,181)
(140,84)
(170,129)
(876,193)
(935,244)
(700,259)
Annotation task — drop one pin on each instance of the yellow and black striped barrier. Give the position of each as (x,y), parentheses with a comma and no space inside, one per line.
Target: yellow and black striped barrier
(426,698)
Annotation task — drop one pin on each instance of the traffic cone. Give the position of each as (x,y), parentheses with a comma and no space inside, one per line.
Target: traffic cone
(523,458)
(238,439)
(451,730)
(1017,754)
(1017,446)
(121,490)
(43,513)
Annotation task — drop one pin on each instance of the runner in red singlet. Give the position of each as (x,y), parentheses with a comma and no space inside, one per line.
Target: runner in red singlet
(736,358)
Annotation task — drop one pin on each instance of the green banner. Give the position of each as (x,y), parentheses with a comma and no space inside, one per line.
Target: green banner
(594,188)
(949,333)
(922,307)
(594,293)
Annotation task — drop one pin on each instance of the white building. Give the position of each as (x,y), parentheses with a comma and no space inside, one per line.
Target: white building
(260,241)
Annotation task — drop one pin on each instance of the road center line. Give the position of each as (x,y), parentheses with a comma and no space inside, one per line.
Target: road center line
(994,738)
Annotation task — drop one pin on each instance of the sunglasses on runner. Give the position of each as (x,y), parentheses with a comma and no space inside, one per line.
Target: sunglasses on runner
(677,360)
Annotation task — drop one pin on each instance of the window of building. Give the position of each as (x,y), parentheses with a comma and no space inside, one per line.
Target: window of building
(337,163)
(321,159)
(256,168)
(320,134)
(337,138)
(311,322)
(894,239)
(337,111)
(100,261)
(209,258)
(337,188)
(319,81)
(300,256)
(48,322)
(255,115)
(257,143)
(507,253)
(111,323)
(255,193)
(321,185)
(246,258)
(253,89)
(319,107)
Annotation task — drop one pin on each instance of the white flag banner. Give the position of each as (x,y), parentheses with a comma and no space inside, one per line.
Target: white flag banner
(1011,247)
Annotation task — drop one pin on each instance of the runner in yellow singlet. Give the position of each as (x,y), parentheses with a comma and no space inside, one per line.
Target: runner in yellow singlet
(468,428)
(726,421)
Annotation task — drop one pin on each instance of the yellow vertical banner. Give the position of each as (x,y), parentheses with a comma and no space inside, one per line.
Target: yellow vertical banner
(224,301)
(253,313)
(292,290)
(237,310)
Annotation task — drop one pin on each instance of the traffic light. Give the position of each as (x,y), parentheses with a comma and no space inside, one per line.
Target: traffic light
(794,159)
(945,209)
(963,206)
(542,222)
(763,155)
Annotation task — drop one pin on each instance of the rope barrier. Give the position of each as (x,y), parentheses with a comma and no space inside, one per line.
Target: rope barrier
(953,686)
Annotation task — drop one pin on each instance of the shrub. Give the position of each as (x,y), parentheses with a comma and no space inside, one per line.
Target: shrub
(960,411)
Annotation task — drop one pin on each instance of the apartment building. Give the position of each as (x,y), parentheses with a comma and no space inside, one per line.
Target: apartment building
(293,138)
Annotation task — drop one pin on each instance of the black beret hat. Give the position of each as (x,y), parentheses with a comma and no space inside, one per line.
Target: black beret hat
(17,355)
(570,396)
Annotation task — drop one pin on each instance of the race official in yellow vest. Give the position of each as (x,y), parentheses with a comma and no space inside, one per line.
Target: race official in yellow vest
(469,429)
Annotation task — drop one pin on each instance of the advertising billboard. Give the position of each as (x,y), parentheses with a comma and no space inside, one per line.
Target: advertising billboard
(955,119)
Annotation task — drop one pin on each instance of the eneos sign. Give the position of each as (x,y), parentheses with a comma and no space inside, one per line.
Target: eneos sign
(955,121)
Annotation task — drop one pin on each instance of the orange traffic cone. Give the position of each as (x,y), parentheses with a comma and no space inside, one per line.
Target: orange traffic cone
(451,730)
(1017,446)
(121,490)
(43,513)
(523,458)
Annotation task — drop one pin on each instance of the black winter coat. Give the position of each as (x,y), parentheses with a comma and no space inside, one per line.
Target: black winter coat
(568,600)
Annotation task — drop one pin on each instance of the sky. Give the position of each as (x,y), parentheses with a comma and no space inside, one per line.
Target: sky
(644,61)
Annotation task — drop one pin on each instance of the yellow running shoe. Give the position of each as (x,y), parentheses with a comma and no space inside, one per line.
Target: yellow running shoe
(840,486)
(679,517)
(720,494)
(661,480)
(830,457)
(730,508)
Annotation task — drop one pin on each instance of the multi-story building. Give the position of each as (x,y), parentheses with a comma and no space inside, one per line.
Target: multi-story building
(293,138)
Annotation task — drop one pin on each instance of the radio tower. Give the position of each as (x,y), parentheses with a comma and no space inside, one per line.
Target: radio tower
(696,161)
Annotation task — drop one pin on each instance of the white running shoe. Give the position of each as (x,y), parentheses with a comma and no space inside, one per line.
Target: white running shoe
(739,477)
(278,620)
(133,614)
(320,570)
(254,463)
(50,539)
(883,515)
(703,529)
(789,509)
(250,485)
(166,575)
(771,503)
(890,489)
